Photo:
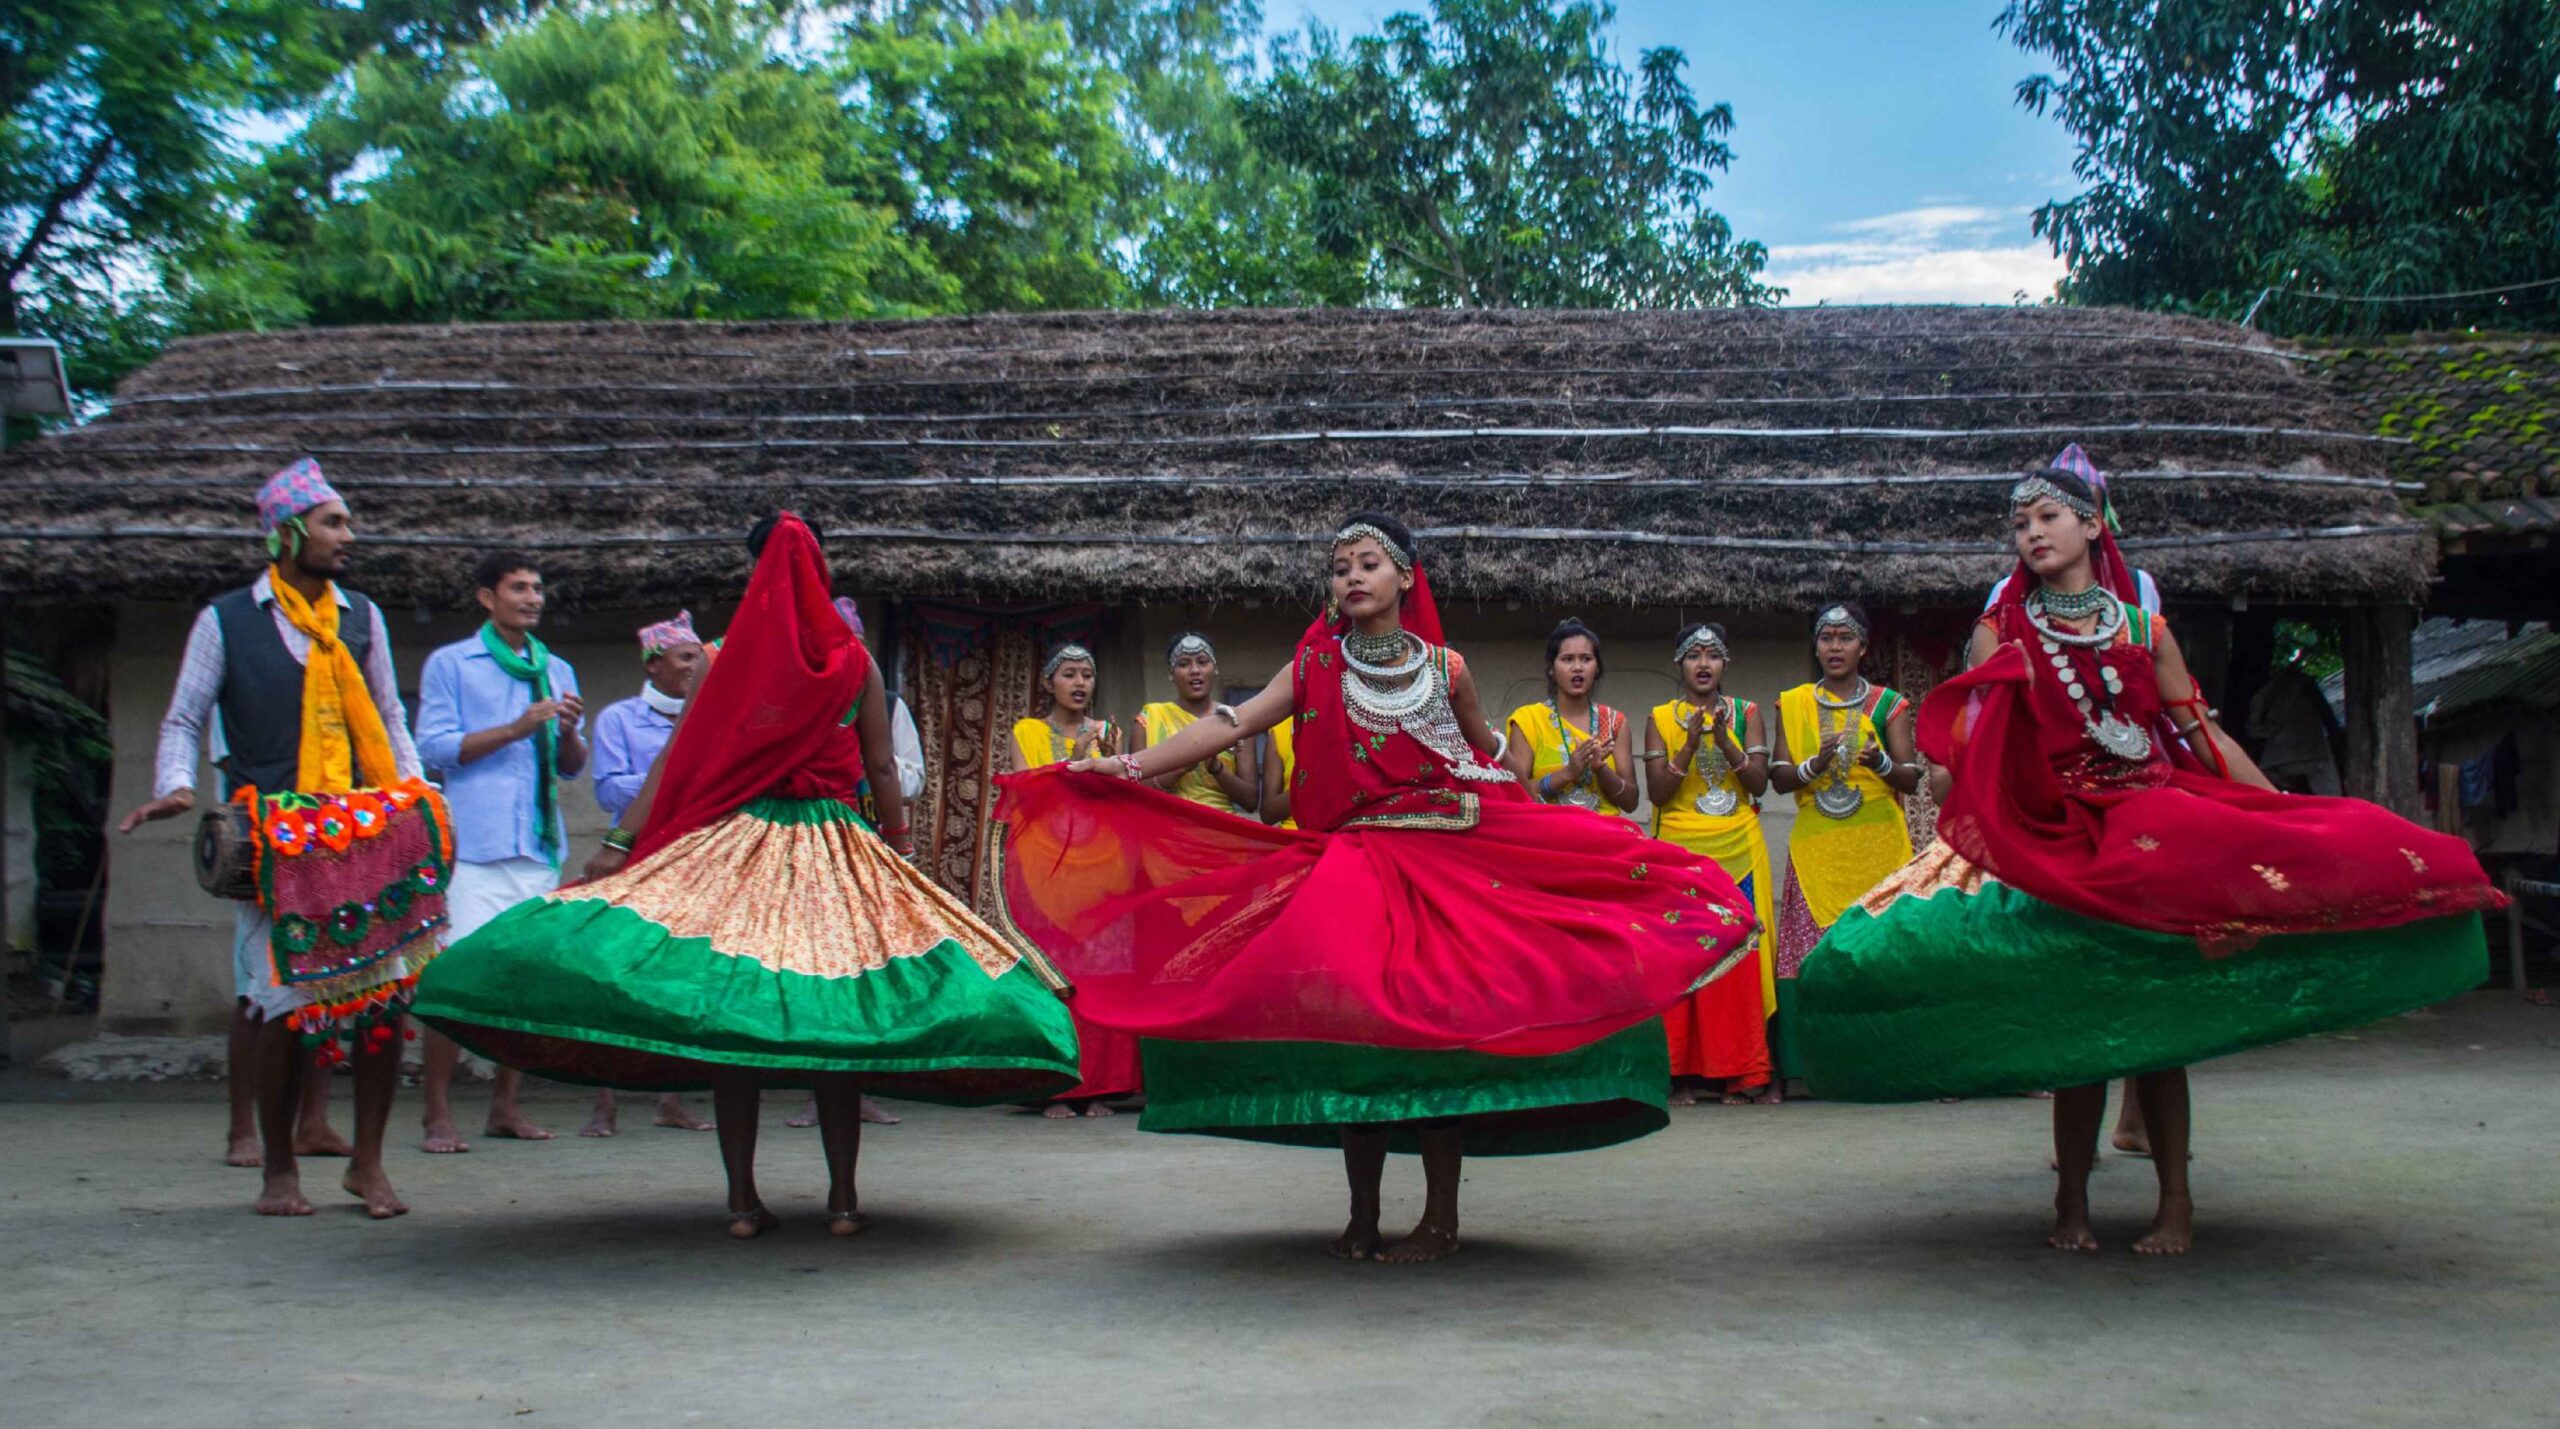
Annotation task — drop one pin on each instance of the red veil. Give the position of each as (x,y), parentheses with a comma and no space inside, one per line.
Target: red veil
(773,702)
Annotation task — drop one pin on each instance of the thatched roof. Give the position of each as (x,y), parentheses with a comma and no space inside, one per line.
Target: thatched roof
(2477,416)
(1739,459)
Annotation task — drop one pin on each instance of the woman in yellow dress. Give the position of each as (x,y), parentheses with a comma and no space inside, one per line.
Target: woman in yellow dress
(1226,782)
(1569,748)
(1063,730)
(1706,764)
(1844,749)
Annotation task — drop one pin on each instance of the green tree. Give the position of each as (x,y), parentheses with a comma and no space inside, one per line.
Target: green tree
(118,140)
(1496,155)
(2356,148)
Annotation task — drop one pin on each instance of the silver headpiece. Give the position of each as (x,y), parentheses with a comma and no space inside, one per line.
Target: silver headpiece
(1187,646)
(1362,530)
(1062,655)
(1702,638)
(1840,616)
(2040,487)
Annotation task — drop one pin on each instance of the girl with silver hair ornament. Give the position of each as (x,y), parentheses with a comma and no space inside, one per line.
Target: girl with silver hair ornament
(1228,782)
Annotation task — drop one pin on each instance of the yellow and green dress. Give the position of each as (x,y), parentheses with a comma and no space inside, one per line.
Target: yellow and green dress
(1552,739)
(1107,1062)
(1162,721)
(1722,1030)
(1284,755)
(1849,836)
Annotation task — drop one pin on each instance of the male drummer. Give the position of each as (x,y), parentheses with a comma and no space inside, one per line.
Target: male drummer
(246,657)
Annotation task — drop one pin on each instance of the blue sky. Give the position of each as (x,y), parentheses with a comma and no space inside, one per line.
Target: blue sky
(1879,151)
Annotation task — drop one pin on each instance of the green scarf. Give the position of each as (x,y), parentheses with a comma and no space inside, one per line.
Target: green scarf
(534,668)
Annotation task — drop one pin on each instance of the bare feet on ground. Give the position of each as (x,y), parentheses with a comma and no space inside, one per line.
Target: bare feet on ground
(2132,1141)
(442,1139)
(2173,1230)
(806,1116)
(2071,1229)
(1740,1096)
(1681,1096)
(245,1151)
(1358,1241)
(748,1224)
(374,1189)
(878,1115)
(1100,1109)
(603,1121)
(1428,1242)
(1058,1111)
(282,1196)
(674,1115)
(512,1126)
(321,1140)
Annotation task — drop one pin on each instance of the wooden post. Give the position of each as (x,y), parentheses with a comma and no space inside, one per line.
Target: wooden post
(2382,729)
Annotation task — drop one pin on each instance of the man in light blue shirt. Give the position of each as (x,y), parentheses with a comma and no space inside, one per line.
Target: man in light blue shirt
(498,719)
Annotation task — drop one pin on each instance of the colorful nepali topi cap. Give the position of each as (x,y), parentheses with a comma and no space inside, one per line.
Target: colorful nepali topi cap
(658,639)
(292,491)
(2076,462)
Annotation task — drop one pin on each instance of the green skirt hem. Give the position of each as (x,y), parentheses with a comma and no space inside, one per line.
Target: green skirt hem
(1305,1093)
(1972,994)
(485,1037)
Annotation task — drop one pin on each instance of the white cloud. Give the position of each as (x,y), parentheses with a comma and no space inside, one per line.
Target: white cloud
(1940,253)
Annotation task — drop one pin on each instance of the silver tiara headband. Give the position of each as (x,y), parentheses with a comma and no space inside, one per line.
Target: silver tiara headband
(1189,646)
(1363,531)
(2043,488)
(1701,639)
(1839,617)
(1062,655)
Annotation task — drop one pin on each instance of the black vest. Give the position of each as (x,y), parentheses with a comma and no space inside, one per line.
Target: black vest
(261,699)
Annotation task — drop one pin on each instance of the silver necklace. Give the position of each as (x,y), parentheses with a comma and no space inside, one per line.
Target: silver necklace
(2105,728)
(1391,656)
(1419,708)
(1585,793)
(1719,796)
(2074,604)
(1836,796)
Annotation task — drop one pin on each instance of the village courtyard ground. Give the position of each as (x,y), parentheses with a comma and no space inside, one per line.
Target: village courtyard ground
(2380,1245)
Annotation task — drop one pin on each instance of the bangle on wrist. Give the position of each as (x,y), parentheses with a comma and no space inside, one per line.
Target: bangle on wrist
(618,839)
(1884,763)
(1129,766)
(1804,771)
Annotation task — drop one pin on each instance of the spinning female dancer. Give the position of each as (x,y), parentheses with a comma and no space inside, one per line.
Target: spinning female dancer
(756,932)
(1706,763)
(2116,890)
(1433,963)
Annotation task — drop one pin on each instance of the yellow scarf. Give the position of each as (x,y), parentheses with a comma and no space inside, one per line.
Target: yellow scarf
(344,745)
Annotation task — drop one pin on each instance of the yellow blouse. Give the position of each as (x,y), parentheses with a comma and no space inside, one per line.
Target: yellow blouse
(1284,754)
(1035,744)
(1552,741)
(1162,721)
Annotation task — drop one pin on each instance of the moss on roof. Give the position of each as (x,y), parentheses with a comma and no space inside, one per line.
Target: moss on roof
(2480,413)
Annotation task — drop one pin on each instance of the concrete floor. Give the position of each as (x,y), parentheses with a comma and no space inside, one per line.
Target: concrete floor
(2377,1247)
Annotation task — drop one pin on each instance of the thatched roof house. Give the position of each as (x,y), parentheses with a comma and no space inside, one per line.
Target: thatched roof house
(1713,458)
(1001,482)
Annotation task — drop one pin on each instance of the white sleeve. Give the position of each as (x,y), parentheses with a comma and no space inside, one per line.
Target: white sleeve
(182,729)
(908,746)
(384,680)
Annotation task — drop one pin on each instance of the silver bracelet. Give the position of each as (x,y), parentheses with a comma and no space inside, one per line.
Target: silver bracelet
(1884,763)
(1749,750)
(1804,771)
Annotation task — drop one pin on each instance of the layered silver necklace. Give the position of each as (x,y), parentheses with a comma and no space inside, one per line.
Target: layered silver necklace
(1719,798)
(2108,730)
(1390,683)
(1836,796)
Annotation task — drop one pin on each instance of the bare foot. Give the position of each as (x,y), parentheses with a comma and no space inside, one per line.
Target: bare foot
(443,1140)
(282,1196)
(2173,1230)
(674,1115)
(512,1126)
(603,1121)
(1358,1241)
(2131,1141)
(245,1151)
(1680,1096)
(1099,1109)
(806,1117)
(1428,1242)
(321,1140)
(847,1222)
(878,1115)
(2071,1229)
(1738,1096)
(1770,1095)
(374,1189)
(748,1224)
(2039,1095)
(1058,1111)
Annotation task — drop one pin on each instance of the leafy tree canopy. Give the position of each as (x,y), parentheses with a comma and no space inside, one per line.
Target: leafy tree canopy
(2360,148)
